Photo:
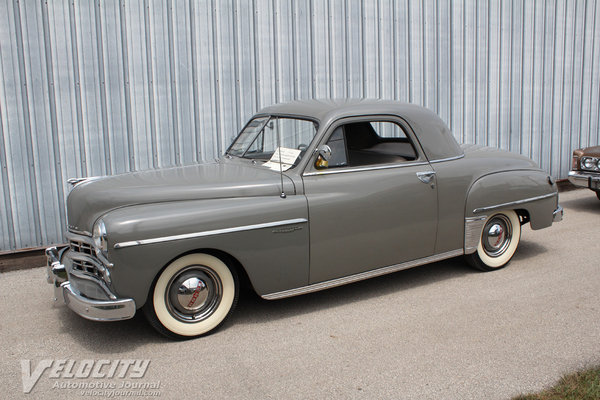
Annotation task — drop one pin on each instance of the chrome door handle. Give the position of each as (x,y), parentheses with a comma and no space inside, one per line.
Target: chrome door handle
(426,177)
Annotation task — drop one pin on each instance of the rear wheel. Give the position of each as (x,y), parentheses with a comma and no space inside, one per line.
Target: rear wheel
(498,241)
(192,296)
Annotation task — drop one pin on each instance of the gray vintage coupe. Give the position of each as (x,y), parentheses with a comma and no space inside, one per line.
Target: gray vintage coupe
(310,195)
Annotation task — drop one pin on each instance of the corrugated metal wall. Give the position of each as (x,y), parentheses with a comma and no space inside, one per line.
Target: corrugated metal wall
(104,87)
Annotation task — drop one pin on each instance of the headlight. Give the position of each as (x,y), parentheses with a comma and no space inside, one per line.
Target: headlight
(590,163)
(100,238)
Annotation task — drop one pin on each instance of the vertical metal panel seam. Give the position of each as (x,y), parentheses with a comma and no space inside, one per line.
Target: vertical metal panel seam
(438,58)
(521,95)
(126,86)
(424,53)
(294,50)
(275,40)
(543,88)
(150,72)
(173,85)
(52,108)
(363,55)
(598,112)
(573,72)
(476,51)
(346,51)
(500,41)
(193,52)
(216,80)
(345,68)
(256,63)
(464,73)
(394,51)
(533,58)
(592,77)
(562,102)
(487,73)
(102,76)
(581,95)
(379,50)
(409,52)
(451,68)
(77,89)
(312,48)
(27,121)
(329,49)
(236,64)
(551,147)
(598,115)
(12,242)
(510,75)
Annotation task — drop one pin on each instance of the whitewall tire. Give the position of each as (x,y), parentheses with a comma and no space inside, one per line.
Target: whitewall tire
(498,241)
(192,296)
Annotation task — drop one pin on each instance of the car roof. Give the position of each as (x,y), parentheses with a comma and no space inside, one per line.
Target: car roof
(433,133)
(324,109)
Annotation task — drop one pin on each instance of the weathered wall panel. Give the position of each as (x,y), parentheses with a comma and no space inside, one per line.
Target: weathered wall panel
(104,87)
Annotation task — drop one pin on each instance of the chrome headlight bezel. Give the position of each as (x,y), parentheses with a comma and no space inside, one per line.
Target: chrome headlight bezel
(590,163)
(100,237)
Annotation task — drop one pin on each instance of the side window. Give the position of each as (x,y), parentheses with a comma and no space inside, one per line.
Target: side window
(337,143)
(370,143)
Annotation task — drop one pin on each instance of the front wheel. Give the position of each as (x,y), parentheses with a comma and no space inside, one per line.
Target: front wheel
(598,194)
(192,296)
(498,241)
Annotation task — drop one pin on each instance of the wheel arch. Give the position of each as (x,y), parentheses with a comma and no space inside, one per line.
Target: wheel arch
(227,258)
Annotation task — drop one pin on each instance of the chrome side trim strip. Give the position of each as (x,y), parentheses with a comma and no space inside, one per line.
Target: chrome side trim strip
(346,170)
(362,276)
(514,203)
(473,227)
(447,159)
(210,233)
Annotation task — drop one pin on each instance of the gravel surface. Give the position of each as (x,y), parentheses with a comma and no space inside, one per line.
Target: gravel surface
(441,331)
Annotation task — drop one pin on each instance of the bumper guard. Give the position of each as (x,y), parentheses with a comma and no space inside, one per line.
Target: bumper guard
(95,310)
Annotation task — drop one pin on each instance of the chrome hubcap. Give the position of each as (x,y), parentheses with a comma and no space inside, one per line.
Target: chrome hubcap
(194,293)
(497,234)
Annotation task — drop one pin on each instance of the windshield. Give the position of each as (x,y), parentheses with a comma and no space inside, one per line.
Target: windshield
(263,135)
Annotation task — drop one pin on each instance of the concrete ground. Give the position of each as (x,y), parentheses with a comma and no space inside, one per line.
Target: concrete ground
(441,331)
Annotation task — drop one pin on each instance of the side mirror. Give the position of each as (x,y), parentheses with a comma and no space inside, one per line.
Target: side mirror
(324,155)
(324,152)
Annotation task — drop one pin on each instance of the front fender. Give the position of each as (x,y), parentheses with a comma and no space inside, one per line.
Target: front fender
(143,239)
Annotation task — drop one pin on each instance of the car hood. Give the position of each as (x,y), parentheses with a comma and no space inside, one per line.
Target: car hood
(589,151)
(94,197)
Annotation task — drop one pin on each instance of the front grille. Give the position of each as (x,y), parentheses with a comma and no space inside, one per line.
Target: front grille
(81,247)
(87,267)
(84,259)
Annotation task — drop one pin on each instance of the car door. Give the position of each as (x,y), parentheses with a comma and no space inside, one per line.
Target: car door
(375,204)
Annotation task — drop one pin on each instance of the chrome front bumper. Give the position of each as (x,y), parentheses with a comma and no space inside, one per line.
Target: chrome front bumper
(96,310)
(588,180)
